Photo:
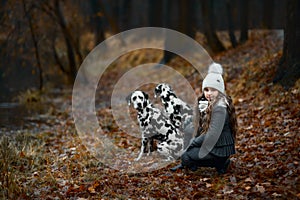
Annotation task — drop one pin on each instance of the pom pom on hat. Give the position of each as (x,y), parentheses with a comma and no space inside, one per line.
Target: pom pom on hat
(214,78)
(215,68)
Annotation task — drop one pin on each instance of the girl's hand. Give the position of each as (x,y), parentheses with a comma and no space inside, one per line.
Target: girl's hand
(197,142)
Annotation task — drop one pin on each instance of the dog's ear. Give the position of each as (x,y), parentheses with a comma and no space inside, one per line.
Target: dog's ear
(157,90)
(146,100)
(128,99)
(146,96)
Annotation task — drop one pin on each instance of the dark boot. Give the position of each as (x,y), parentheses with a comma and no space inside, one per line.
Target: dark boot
(193,168)
(223,169)
(180,166)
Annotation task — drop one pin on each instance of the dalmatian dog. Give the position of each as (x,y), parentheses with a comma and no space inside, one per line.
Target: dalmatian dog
(179,112)
(154,125)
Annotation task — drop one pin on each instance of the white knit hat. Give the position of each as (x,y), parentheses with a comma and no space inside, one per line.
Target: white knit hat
(214,78)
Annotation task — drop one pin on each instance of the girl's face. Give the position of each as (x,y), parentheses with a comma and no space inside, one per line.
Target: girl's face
(210,94)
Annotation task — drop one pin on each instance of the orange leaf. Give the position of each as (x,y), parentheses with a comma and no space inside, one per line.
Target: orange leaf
(247,188)
(22,154)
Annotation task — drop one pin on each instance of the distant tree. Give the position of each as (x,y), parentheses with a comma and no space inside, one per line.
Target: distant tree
(69,40)
(244,10)
(28,9)
(124,11)
(2,11)
(209,29)
(186,23)
(289,67)
(268,11)
(96,20)
(166,24)
(110,15)
(232,37)
(55,11)
(155,13)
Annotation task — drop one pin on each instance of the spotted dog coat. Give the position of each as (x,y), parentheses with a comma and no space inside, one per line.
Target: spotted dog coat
(155,125)
(179,112)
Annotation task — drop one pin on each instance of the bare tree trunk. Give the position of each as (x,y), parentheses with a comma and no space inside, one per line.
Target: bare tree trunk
(109,14)
(288,71)
(244,9)
(124,13)
(97,21)
(166,23)
(268,7)
(230,23)
(35,43)
(68,40)
(209,29)
(187,21)
(155,13)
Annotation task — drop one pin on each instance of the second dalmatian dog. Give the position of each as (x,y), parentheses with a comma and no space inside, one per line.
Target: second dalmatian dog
(155,125)
(179,112)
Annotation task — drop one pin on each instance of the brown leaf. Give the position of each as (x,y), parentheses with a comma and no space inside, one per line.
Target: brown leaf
(260,188)
(92,188)
(249,180)
(22,154)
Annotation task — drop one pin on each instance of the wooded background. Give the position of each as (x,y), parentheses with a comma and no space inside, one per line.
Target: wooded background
(44,42)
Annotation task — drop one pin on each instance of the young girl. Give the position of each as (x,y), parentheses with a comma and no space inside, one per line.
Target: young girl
(215,138)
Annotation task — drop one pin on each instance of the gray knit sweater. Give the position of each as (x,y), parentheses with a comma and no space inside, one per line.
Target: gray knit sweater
(218,140)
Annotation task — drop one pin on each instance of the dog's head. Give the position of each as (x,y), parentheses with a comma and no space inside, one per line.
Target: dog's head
(163,90)
(138,99)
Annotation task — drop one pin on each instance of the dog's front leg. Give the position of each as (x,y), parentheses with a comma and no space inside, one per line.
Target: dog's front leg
(150,147)
(143,147)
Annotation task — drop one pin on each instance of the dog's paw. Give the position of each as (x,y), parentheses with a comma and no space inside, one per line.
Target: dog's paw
(149,153)
(169,159)
(136,159)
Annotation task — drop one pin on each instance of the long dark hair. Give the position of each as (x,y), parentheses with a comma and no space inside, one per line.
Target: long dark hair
(202,121)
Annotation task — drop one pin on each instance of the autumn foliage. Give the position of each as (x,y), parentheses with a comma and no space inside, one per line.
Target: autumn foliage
(48,160)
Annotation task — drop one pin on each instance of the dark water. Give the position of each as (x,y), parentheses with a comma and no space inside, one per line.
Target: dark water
(13,116)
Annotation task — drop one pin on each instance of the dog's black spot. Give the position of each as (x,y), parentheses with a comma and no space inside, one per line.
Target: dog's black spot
(169,142)
(177,109)
(160,137)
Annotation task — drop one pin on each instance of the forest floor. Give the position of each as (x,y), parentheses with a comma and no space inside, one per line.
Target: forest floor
(47,159)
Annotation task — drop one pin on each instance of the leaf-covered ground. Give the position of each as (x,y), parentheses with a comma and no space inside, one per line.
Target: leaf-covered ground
(49,161)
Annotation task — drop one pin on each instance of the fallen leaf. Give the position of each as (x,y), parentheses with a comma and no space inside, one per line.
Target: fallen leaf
(233,179)
(249,179)
(260,188)
(247,188)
